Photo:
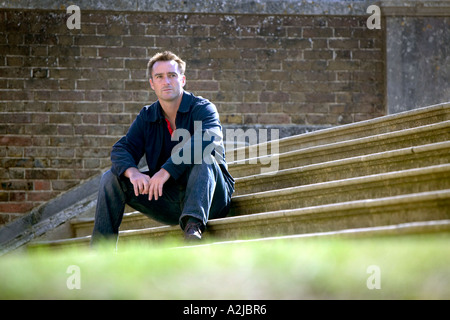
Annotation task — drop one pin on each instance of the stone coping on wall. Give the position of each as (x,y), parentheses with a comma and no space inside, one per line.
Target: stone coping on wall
(306,7)
(285,7)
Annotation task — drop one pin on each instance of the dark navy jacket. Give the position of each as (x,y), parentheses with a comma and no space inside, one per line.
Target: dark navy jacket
(145,136)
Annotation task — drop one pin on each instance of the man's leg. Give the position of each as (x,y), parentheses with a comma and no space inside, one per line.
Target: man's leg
(207,196)
(110,207)
(202,194)
(114,193)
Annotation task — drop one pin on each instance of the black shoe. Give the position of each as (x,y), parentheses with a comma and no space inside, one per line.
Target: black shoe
(193,231)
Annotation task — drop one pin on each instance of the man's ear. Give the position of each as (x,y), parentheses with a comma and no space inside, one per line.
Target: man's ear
(151,83)
(184,81)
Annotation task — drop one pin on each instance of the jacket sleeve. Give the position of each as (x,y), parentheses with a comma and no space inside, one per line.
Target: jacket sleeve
(128,151)
(206,140)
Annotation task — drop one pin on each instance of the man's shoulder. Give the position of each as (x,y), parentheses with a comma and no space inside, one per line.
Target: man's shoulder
(150,112)
(200,103)
(199,100)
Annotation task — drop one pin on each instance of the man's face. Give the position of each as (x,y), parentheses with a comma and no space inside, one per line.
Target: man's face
(167,81)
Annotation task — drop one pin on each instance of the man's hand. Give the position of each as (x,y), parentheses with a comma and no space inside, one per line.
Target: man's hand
(140,181)
(157,183)
(143,184)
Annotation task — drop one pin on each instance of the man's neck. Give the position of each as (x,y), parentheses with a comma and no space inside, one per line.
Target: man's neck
(170,108)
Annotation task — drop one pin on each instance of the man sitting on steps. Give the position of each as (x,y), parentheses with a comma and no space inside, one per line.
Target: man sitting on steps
(187,182)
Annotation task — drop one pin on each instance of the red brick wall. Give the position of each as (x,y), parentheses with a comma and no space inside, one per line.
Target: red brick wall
(67,95)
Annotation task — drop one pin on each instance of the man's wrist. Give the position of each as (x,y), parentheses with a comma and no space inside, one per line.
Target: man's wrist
(165,173)
(130,172)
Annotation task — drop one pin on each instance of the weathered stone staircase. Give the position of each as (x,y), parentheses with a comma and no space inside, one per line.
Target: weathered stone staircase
(385,176)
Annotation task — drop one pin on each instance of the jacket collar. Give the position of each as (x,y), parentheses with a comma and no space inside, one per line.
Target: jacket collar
(186,102)
(154,111)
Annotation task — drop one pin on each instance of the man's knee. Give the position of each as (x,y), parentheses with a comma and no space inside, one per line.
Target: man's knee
(109,181)
(208,163)
(107,176)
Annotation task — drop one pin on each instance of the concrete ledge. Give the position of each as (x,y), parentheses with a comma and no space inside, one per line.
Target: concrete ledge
(269,7)
(420,8)
(304,7)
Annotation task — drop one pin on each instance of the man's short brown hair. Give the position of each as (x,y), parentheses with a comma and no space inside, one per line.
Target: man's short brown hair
(165,56)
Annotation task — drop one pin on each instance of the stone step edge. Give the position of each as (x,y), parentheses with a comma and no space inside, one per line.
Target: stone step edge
(341,144)
(317,186)
(315,149)
(334,163)
(409,228)
(443,108)
(391,154)
(418,227)
(315,210)
(350,181)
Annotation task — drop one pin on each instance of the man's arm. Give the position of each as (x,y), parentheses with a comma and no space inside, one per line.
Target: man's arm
(129,149)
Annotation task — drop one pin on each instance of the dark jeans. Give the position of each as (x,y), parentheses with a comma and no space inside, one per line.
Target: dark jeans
(200,193)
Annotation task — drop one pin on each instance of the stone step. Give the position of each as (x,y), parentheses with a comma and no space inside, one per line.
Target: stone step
(390,123)
(420,213)
(422,156)
(409,228)
(358,188)
(131,221)
(364,213)
(382,162)
(406,158)
(362,146)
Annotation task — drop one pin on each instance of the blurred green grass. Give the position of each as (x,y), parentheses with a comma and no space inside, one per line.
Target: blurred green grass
(410,268)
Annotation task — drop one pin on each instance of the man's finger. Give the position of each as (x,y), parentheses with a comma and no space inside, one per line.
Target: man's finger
(150,192)
(136,189)
(155,192)
(160,189)
(139,187)
(145,187)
